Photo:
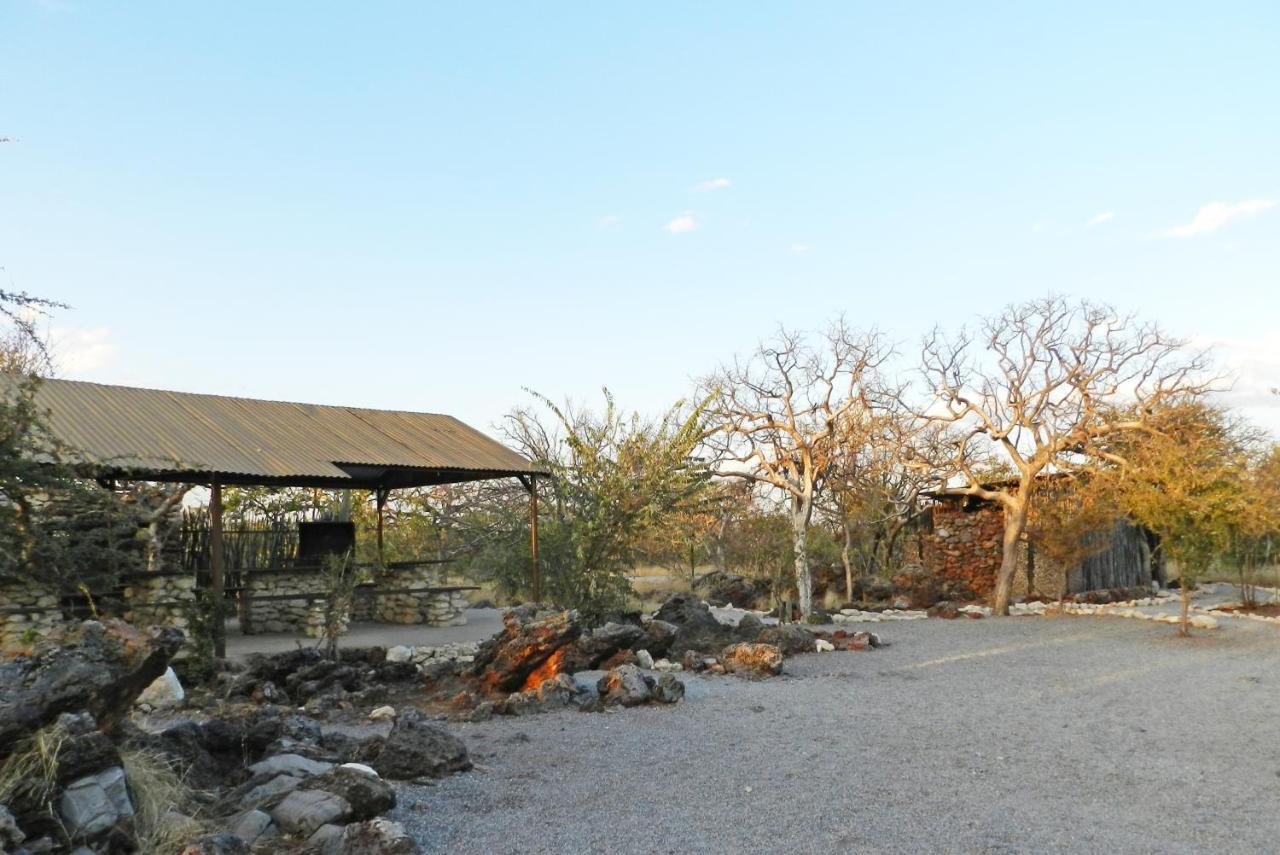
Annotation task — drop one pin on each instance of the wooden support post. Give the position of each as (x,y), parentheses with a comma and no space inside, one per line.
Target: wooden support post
(535,570)
(380,496)
(216,567)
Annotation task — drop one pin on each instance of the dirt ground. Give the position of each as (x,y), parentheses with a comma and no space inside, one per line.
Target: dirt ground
(1070,734)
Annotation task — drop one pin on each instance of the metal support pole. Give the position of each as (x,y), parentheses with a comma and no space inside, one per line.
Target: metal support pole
(380,496)
(216,567)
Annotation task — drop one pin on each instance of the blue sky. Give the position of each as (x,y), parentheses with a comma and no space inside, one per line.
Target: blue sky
(429,207)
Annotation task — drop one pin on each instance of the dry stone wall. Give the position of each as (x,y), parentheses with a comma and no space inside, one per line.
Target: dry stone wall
(964,545)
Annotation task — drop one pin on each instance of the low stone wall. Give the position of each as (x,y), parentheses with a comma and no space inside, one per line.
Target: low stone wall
(19,629)
(441,608)
(302,611)
(159,598)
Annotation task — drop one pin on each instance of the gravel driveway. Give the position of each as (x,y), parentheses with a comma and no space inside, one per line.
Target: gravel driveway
(1071,734)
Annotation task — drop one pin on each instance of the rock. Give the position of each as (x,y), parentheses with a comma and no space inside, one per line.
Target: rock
(384,713)
(290,764)
(251,825)
(624,685)
(366,793)
(503,663)
(217,844)
(789,638)
(263,790)
(85,750)
(360,767)
(659,636)
(1204,622)
(668,690)
(164,692)
(93,667)
(303,811)
(644,659)
(824,646)
(10,834)
(399,653)
(667,665)
(91,806)
(601,644)
(729,589)
(749,624)
(944,609)
(416,748)
(696,627)
(372,837)
(752,659)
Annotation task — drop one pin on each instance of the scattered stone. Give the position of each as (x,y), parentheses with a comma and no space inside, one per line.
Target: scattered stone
(732,590)
(383,713)
(416,748)
(602,644)
(789,638)
(624,685)
(696,628)
(644,659)
(366,793)
(217,844)
(752,659)
(668,690)
(251,825)
(290,764)
(373,837)
(667,665)
(164,692)
(399,654)
(824,646)
(90,807)
(659,636)
(504,662)
(303,811)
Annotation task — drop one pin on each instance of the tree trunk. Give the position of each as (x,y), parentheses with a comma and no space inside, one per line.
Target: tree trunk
(801,510)
(1184,585)
(846,556)
(1015,522)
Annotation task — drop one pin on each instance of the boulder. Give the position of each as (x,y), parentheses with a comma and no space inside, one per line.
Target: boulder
(290,764)
(303,811)
(668,690)
(696,627)
(252,825)
(383,713)
(99,668)
(367,794)
(92,806)
(944,609)
(752,659)
(372,837)
(658,637)
(415,748)
(790,638)
(728,589)
(644,659)
(527,640)
(164,692)
(624,685)
(600,644)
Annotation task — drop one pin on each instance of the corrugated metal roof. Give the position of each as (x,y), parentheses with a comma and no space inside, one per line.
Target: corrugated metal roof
(162,435)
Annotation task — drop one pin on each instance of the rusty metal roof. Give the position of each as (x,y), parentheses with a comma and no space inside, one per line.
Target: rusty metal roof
(119,431)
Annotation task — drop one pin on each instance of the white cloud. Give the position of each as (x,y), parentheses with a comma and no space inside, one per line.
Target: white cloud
(681,224)
(610,221)
(713,184)
(81,351)
(1099,219)
(1215,215)
(1252,366)
(799,248)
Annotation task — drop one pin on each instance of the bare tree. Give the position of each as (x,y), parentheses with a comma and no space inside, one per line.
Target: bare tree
(1050,384)
(775,417)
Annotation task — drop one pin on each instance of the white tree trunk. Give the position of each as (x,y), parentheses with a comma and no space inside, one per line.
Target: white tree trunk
(801,510)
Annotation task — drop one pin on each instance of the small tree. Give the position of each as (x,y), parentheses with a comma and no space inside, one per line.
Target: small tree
(1051,385)
(1184,480)
(775,419)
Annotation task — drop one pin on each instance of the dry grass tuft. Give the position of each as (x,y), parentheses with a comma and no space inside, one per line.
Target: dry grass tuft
(163,803)
(30,774)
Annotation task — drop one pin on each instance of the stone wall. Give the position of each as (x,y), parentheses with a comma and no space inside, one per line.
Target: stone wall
(964,545)
(159,598)
(441,608)
(20,628)
(302,611)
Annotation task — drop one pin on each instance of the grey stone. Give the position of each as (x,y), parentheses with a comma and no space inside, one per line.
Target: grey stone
(303,811)
(291,764)
(416,748)
(250,825)
(86,809)
(367,794)
(644,659)
(668,690)
(113,784)
(624,685)
(374,837)
(269,790)
(10,834)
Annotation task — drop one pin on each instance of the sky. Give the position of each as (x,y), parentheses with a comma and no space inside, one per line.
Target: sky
(434,207)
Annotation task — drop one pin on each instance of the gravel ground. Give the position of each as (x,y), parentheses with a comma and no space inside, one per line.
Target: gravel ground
(1074,734)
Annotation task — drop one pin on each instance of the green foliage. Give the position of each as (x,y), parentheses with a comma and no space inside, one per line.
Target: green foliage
(203,614)
(339,577)
(61,530)
(615,480)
